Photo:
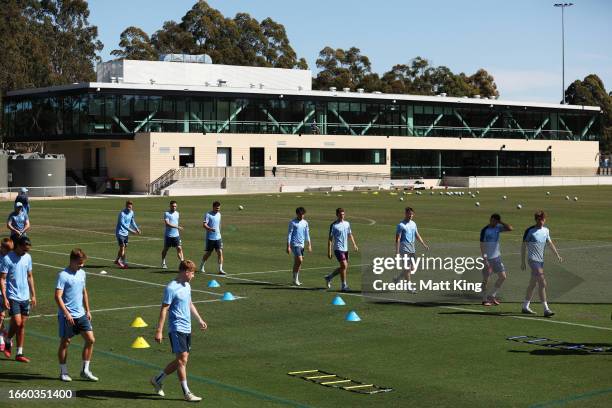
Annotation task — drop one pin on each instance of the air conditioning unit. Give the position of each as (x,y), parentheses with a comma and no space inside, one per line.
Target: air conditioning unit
(332,89)
(346,89)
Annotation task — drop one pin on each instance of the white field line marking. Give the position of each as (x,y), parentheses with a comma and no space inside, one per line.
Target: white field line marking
(445,307)
(360,265)
(128,307)
(131,280)
(93,232)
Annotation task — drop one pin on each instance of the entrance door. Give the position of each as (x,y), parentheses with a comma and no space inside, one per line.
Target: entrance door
(224,156)
(101,170)
(257,161)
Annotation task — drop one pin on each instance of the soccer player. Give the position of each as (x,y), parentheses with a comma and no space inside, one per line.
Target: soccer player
(172,237)
(297,236)
(18,293)
(126,223)
(22,198)
(18,222)
(534,243)
(179,308)
(73,315)
(6,246)
(339,234)
(489,249)
(212,225)
(406,233)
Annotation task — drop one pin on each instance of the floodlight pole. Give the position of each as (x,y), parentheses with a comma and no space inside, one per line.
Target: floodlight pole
(563,6)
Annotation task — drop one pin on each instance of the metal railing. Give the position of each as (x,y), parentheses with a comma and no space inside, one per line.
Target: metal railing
(162,181)
(9,193)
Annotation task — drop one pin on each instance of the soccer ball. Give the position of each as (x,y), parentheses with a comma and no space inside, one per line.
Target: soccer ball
(477,204)
(504,197)
(432,193)
(575,198)
(241,207)
(548,193)
(518,207)
(567,197)
(401,198)
(477,192)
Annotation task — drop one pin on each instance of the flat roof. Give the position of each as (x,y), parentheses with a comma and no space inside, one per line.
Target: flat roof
(278,92)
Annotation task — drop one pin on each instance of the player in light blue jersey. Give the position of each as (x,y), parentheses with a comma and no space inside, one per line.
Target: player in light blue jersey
(212,225)
(339,234)
(489,250)
(535,239)
(297,237)
(18,293)
(73,314)
(18,222)
(126,223)
(172,237)
(177,305)
(6,246)
(406,235)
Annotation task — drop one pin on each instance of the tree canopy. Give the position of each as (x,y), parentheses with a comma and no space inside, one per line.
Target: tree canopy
(591,91)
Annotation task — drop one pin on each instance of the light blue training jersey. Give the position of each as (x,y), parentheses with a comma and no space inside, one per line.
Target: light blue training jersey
(407,230)
(72,284)
(338,233)
(489,236)
(178,296)
(125,221)
(298,233)
(536,239)
(172,218)
(18,220)
(213,221)
(16,269)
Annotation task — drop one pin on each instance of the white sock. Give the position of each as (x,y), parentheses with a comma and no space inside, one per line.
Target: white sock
(494,294)
(19,350)
(163,260)
(160,377)
(220,267)
(85,366)
(526,304)
(63,369)
(185,387)
(344,283)
(1,338)
(545,304)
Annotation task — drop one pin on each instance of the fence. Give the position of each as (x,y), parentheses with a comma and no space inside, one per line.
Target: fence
(9,193)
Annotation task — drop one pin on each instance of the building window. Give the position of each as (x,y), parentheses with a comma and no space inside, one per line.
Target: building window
(331,156)
(186,156)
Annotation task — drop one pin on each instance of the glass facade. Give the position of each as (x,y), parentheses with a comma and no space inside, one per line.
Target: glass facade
(87,114)
(438,163)
(287,156)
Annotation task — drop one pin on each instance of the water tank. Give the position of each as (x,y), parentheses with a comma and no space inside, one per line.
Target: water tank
(43,174)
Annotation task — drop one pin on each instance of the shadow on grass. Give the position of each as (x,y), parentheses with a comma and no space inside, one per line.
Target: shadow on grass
(298,288)
(16,377)
(118,394)
(487,313)
(559,352)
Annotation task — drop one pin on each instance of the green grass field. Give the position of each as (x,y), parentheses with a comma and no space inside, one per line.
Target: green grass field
(430,355)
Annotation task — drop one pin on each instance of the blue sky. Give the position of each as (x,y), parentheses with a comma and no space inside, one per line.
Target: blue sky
(517,41)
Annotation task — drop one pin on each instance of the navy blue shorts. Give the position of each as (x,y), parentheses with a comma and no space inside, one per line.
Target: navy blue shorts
(536,267)
(66,331)
(496,265)
(297,250)
(21,307)
(122,240)
(341,256)
(180,342)
(172,242)
(214,244)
